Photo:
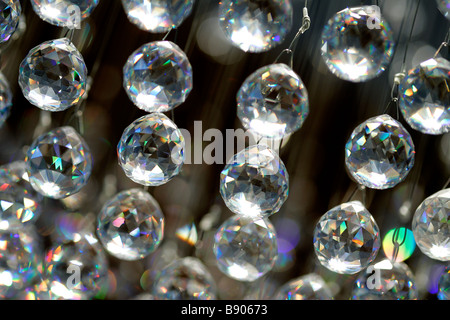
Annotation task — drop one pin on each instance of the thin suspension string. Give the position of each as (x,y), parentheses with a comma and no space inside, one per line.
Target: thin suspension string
(443,44)
(403,69)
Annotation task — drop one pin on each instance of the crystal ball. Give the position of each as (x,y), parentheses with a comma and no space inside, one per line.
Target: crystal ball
(444,285)
(346,238)
(151,150)
(255,182)
(357,44)
(444,7)
(10,11)
(272,101)
(5,99)
(64,13)
(308,287)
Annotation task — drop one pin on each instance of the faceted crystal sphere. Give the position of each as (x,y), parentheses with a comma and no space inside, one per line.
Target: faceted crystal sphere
(309,287)
(131,225)
(396,282)
(185,279)
(347,238)
(59,163)
(53,75)
(245,249)
(431,226)
(151,150)
(19,202)
(5,99)
(76,270)
(158,76)
(380,153)
(64,13)
(444,285)
(10,11)
(20,260)
(157,15)
(272,101)
(444,7)
(425,98)
(357,45)
(255,182)
(254,25)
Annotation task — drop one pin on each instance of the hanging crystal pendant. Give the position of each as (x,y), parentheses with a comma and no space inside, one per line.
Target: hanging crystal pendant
(19,203)
(425,97)
(184,279)
(53,75)
(131,225)
(272,101)
(357,45)
(255,182)
(83,257)
(5,99)
(157,15)
(10,11)
(245,249)
(444,285)
(347,238)
(59,163)
(308,287)
(151,150)
(395,282)
(256,26)
(380,153)
(431,226)
(64,13)
(158,76)
(444,7)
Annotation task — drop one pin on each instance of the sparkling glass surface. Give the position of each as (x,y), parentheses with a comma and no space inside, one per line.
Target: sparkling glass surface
(151,150)
(380,153)
(245,249)
(157,15)
(308,287)
(158,76)
(353,47)
(255,182)
(64,13)
(184,279)
(425,97)
(20,260)
(347,238)
(5,99)
(53,75)
(273,101)
(131,225)
(396,282)
(431,226)
(19,202)
(254,25)
(59,163)
(84,257)
(444,7)
(444,285)
(10,11)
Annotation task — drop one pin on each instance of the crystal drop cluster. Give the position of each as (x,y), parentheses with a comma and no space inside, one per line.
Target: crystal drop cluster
(59,163)
(380,153)
(64,13)
(131,225)
(255,182)
(272,101)
(19,202)
(184,279)
(396,282)
(308,287)
(357,45)
(256,26)
(431,226)
(5,99)
(151,150)
(158,76)
(157,15)
(245,249)
(10,11)
(444,285)
(347,238)
(425,97)
(84,257)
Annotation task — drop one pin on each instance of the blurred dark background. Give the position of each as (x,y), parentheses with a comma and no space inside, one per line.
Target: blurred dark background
(314,155)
